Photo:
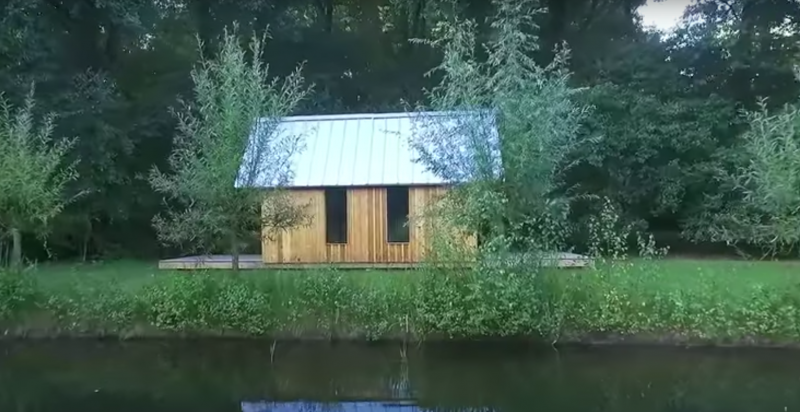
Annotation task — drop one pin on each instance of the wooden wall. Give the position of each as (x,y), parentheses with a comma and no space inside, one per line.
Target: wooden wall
(366,230)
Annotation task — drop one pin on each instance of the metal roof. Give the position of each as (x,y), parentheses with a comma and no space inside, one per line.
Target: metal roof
(352,150)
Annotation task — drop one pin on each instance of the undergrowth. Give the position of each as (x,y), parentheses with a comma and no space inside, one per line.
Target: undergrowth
(610,300)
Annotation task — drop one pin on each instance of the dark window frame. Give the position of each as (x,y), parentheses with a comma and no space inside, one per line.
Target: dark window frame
(396,207)
(336,216)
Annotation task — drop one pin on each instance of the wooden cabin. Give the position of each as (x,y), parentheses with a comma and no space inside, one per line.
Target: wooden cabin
(364,192)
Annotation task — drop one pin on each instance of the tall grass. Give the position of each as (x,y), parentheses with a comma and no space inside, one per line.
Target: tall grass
(630,298)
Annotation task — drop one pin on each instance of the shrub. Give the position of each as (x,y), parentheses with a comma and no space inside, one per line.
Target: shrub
(181,302)
(18,292)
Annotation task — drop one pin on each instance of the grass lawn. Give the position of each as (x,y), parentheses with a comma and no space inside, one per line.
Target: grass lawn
(132,275)
(732,275)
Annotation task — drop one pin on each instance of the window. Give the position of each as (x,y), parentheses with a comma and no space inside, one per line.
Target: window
(336,215)
(397,214)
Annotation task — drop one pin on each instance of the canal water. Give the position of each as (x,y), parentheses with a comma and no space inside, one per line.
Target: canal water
(214,376)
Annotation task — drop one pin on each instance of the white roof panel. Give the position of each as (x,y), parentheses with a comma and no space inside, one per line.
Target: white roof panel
(352,150)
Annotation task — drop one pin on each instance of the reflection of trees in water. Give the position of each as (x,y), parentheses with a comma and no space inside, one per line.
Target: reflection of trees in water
(301,406)
(459,409)
(385,406)
(49,378)
(400,385)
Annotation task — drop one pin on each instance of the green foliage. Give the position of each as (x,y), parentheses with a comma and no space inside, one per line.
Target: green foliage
(94,308)
(661,146)
(664,106)
(766,185)
(213,170)
(642,298)
(34,174)
(510,181)
(182,302)
(616,303)
(658,153)
(194,304)
(500,303)
(18,293)
(610,238)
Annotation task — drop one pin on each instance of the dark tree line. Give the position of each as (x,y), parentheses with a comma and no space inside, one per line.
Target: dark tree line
(667,107)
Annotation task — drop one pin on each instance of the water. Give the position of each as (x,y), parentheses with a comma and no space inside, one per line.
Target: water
(82,376)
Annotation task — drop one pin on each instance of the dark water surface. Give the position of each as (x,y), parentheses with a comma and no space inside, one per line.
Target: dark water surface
(83,376)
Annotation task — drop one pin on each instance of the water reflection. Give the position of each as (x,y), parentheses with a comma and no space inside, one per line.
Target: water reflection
(407,406)
(240,377)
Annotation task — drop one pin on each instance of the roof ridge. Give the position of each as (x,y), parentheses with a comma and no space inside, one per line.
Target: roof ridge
(368,116)
(344,116)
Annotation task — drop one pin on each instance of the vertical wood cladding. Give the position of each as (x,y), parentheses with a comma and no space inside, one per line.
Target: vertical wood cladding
(366,230)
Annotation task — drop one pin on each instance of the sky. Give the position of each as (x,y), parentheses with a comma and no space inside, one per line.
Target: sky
(664,14)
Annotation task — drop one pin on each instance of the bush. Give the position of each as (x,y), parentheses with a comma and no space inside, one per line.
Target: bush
(18,292)
(181,302)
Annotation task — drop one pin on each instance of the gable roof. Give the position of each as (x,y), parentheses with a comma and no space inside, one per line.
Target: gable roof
(354,150)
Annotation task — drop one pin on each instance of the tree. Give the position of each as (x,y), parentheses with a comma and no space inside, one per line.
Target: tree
(79,53)
(33,175)
(660,136)
(514,197)
(764,210)
(751,47)
(211,185)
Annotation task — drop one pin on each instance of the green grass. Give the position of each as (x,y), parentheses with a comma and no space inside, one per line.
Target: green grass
(134,274)
(130,275)
(736,276)
(733,280)
(675,299)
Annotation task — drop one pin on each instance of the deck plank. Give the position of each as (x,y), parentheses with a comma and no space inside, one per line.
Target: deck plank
(250,262)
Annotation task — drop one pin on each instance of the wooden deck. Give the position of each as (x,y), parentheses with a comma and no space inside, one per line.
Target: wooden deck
(562,260)
(211,262)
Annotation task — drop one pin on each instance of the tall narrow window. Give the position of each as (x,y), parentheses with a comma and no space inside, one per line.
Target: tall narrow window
(336,215)
(397,214)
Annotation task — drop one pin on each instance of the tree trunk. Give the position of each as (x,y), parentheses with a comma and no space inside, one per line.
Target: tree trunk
(325,9)
(418,20)
(87,236)
(4,254)
(235,261)
(16,249)
(234,254)
(84,248)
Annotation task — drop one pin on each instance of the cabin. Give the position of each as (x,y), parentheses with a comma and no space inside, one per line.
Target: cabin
(364,191)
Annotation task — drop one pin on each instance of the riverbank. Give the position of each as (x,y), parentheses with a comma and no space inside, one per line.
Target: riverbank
(662,301)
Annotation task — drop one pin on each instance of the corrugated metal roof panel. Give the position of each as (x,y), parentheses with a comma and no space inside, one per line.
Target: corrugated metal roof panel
(351,150)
